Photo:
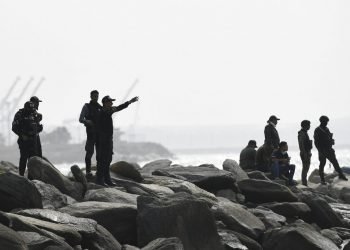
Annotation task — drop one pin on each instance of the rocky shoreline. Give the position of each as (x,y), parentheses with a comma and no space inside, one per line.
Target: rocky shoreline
(170,207)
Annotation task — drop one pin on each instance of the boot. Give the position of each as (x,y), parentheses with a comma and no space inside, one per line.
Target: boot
(342,177)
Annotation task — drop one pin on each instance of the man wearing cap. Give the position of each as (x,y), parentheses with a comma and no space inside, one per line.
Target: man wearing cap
(38,118)
(88,117)
(324,143)
(105,138)
(305,146)
(27,127)
(271,143)
(247,157)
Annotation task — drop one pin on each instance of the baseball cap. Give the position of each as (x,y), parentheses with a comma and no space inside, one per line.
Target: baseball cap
(35,99)
(107,98)
(252,143)
(273,117)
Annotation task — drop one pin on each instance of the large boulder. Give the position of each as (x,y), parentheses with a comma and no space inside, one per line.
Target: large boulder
(207,178)
(9,239)
(36,240)
(233,167)
(260,191)
(296,236)
(236,218)
(321,212)
(102,240)
(118,218)
(249,242)
(150,167)
(258,175)
(180,215)
(289,209)
(70,235)
(40,169)
(165,244)
(268,217)
(126,169)
(110,195)
(51,197)
(18,192)
(80,177)
(340,189)
(343,210)
(181,186)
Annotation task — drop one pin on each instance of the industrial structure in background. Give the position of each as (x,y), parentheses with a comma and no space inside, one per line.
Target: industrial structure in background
(58,145)
(13,100)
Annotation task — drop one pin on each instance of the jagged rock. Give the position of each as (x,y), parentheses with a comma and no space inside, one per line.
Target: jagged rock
(18,192)
(343,210)
(260,191)
(126,169)
(159,190)
(186,217)
(118,218)
(15,223)
(233,167)
(51,197)
(79,176)
(38,241)
(150,167)
(228,194)
(207,178)
(340,189)
(165,244)
(236,218)
(44,171)
(258,175)
(333,236)
(249,242)
(102,240)
(314,177)
(128,247)
(134,187)
(343,233)
(230,240)
(6,167)
(268,217)
(321,212)
(296,236)
(10,239)
(289,209)
(71,236)
(181,186)
(110,195)
(85,227)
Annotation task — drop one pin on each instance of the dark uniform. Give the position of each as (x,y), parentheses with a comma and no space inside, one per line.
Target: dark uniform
(271,142)
(26,125)
(305,146)
(247,157)
(324,142)
(36,101)
(105,141)
(90,113)
(281,167)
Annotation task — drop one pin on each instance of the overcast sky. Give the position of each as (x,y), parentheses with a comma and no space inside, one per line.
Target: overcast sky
(198,62)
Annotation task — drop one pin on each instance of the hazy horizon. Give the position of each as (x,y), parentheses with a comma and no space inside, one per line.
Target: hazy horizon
(198,63)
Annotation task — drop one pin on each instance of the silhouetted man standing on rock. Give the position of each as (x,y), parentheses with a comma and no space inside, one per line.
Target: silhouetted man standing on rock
(88,117)
(305,146)
(26,125)
(271,143)
(105,138)
(324,142)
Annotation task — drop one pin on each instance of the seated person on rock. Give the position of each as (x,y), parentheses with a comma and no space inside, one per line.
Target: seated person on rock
(247,157)
(281,167)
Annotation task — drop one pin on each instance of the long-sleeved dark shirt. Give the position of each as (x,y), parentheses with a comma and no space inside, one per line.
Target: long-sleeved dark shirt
(271,136)
(247,158)
(105,121)
(27,123)
(323,138)
(305,144)
(90,112)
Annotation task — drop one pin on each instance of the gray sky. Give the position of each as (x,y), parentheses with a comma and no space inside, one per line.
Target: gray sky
(198,62)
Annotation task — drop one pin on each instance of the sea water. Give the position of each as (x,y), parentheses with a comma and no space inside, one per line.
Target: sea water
(217,159)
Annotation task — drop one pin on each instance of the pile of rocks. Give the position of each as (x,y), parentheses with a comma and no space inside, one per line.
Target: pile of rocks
(169,207)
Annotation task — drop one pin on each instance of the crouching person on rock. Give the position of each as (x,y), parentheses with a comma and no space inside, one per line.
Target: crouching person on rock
(105,138)
(281,167)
